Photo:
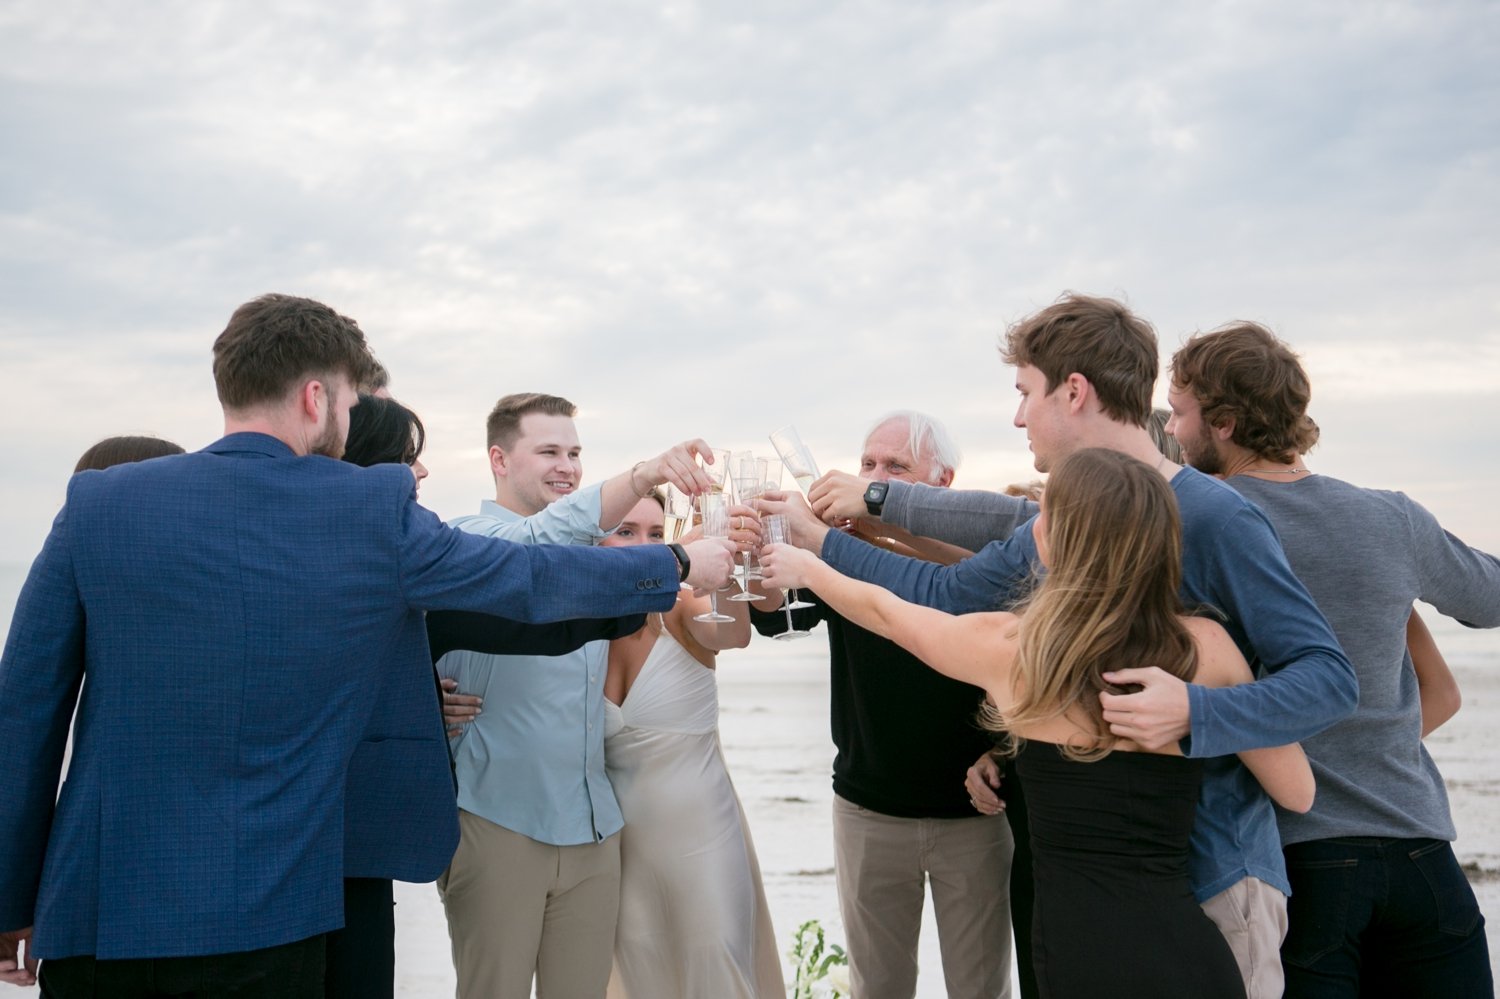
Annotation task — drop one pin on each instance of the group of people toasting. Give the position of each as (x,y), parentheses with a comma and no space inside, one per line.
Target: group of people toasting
(1161,728)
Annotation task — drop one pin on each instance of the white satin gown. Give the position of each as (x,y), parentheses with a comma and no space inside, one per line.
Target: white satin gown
(693,917)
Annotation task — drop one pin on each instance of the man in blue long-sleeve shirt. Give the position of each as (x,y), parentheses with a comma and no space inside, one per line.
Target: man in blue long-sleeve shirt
(1085,369)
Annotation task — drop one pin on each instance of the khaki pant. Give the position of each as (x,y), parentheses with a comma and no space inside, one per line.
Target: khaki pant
(1252,916)
(883,864)
(517,907)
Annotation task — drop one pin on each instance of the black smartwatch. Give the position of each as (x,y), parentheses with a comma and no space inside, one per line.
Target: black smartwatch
(875,497)
(683,562)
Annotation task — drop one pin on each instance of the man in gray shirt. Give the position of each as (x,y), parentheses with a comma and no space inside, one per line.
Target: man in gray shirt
(1378,899)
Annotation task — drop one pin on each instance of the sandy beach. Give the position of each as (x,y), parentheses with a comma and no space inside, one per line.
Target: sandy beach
(774,725)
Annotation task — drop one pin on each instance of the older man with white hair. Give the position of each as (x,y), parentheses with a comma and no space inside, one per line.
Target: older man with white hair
(905,735)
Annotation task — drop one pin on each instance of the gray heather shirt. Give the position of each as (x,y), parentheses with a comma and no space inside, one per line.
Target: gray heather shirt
(1366,555)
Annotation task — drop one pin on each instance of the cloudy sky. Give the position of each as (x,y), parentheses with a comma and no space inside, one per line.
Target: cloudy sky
(714,219)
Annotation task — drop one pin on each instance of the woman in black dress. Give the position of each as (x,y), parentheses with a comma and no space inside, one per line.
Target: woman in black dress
(1114,914)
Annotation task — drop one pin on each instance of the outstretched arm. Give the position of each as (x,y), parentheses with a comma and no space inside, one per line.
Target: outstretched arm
(966,518)
(677,465)
(974,648)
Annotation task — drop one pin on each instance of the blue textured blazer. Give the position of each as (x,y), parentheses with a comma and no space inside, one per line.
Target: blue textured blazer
(232,617)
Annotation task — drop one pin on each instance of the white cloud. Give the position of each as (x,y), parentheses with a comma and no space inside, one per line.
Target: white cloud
(713,218)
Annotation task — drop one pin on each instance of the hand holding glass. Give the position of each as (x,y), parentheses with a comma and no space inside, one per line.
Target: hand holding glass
(775,526)
(715,525)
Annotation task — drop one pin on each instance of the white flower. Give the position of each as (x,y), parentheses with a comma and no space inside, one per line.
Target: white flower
(838,977)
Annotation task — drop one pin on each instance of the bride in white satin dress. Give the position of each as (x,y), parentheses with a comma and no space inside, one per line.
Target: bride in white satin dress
(693,917)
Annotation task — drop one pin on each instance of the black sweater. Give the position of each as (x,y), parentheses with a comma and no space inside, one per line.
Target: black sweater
(905,733)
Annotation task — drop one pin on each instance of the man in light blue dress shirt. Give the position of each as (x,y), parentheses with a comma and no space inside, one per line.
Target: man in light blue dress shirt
(534,886)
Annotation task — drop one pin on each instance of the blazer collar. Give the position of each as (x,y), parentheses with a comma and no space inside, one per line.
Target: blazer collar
(263,445)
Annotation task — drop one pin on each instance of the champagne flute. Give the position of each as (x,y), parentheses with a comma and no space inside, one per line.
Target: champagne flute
(678,512)
(749,474)
(718,475)
(775,526)
(799,460)
(715,508)
(718,472)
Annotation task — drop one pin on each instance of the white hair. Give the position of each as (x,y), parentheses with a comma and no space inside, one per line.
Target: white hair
(925,435)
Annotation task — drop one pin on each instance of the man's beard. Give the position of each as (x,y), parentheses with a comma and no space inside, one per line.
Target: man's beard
(330,443)
(1204,456)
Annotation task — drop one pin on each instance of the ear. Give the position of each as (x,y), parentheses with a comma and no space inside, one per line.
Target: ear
(1226,431)
(312,400)
(946,479)
(499,465)
(1079,391)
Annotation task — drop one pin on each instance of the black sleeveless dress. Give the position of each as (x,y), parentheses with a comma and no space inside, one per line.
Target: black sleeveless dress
(1114,914)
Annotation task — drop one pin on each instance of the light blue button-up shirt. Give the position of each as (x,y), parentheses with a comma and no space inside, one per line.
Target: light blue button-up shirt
(533,761)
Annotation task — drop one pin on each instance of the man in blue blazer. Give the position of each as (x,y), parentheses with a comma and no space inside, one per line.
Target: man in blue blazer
(230,616)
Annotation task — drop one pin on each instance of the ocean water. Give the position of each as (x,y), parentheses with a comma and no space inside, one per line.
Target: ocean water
(774,726)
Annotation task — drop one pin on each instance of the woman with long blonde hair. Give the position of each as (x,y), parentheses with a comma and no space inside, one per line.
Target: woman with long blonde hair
(1110,823)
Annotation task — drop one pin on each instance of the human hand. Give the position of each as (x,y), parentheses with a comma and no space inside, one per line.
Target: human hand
(744,527)
(711,563)
(838,497)
(982,780)
(803,528)
(1155,716)
(679,466)
(458,709)
(13,968)
(787,568)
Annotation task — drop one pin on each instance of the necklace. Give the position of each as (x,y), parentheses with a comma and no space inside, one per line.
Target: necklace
(1275,471)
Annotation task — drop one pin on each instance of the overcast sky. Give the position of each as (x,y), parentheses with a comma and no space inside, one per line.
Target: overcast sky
(715,219)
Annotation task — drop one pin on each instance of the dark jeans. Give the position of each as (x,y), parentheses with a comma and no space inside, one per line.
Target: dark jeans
(1382,917)
(362,955)
(290,971)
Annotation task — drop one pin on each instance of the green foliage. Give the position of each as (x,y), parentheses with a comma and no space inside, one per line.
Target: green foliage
(813,958)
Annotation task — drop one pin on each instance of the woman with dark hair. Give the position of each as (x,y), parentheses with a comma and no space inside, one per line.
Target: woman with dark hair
(123,450)
(1114,913)
(382,431)
(361,956)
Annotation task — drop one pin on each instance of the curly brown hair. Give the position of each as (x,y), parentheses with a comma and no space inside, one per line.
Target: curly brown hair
(1242,373)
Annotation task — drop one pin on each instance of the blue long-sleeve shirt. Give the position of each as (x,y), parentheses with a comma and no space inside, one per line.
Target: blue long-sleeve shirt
(1232,561)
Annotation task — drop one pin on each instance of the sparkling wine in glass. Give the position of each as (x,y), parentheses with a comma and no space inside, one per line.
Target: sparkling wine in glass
(749,475)
(796,456)
(677,512)
(718,472)
(715,507)
(775,526)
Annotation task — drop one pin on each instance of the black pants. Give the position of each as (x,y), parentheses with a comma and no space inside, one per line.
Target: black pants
(289,971)
(362,956)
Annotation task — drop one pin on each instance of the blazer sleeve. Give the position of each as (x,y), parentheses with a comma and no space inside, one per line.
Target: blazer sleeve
(40,673)
(442,568)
